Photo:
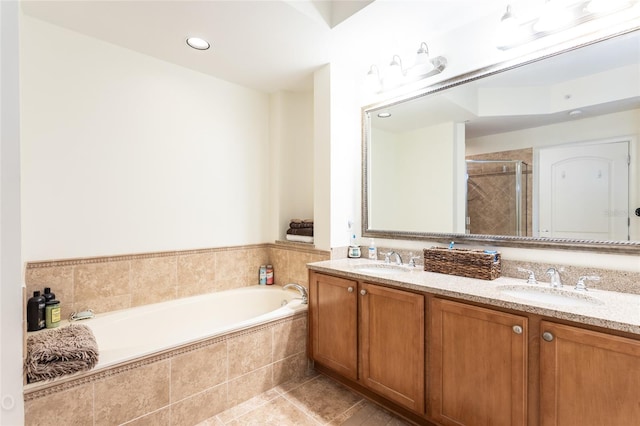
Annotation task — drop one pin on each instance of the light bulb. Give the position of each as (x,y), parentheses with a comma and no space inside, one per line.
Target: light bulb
(553,16)
(604,6)
(198,43)
(395,74)
(372,80)
(423,64)
(510,31)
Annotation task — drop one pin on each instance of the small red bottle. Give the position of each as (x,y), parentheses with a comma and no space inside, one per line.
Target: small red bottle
(270,279)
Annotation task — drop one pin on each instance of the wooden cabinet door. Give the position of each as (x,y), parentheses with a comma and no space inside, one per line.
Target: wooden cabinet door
(588,378)
(333,311)
(478,366)
(392,344)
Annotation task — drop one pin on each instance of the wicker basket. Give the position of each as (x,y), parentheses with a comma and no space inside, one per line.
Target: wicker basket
(462,262)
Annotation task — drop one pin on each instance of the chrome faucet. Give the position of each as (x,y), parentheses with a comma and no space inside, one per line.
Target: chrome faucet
(303,291)
(556,281)
(532,276)
(387,257)
(581,286)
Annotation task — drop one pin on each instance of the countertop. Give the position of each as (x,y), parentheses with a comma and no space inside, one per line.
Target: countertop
(611,310)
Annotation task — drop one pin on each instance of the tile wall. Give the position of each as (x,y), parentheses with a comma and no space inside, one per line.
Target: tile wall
(118,282)
(491,194)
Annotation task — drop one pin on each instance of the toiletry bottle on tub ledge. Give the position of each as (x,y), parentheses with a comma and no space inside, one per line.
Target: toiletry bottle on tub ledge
(262,275)
(35,312)
(270,278)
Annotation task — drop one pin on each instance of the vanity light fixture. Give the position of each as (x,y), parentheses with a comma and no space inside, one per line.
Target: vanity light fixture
(509,30)
(555,16)
(423,64)
(604,6)
(372,80)
(198,43)
(396,75)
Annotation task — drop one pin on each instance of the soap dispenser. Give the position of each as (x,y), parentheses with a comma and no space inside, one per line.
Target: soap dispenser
(373,250)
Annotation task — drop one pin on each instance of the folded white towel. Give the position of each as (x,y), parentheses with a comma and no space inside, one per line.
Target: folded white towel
(299,238)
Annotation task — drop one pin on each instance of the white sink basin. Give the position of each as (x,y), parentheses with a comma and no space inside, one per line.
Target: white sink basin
(550,295)
(381,268)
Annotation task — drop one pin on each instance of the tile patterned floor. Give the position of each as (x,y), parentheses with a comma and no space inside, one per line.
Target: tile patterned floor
(314,400)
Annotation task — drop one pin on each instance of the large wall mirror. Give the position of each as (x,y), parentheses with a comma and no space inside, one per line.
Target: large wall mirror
(537,154)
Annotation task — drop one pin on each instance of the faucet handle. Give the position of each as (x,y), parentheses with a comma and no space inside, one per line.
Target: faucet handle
(581,286)
(532,276)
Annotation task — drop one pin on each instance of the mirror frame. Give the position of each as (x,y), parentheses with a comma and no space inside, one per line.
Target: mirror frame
(616,247)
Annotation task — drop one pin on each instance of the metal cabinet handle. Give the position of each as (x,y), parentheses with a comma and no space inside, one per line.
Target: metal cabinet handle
(547,336)
(517,329)
(350,289)
(363,292)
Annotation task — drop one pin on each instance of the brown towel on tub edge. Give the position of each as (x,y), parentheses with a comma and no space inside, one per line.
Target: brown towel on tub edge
(59,351)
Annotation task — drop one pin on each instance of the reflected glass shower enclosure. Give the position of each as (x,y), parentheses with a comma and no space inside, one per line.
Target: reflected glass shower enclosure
(496,197)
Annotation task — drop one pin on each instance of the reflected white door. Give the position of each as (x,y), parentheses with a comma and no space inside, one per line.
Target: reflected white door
(584,191)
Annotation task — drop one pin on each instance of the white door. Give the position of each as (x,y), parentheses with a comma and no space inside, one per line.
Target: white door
(584,191)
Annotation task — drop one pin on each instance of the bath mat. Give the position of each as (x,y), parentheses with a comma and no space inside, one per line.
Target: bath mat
(57,352)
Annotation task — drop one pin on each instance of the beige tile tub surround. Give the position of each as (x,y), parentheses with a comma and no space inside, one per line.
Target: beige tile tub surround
(106,284)
(184,386)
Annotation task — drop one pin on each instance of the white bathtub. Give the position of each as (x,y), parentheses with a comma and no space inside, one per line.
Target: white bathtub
(133,333)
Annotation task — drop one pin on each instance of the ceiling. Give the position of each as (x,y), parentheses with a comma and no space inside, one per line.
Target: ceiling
(268,45)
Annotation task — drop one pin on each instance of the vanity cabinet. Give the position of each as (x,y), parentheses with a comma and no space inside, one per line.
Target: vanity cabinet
(333,308)
(478,365)
(371,334)
(392,355)
(588,377)
(438,360)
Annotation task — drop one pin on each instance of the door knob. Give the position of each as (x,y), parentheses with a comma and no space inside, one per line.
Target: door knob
(350,289)
(517,329)
(363,292)
(547,336)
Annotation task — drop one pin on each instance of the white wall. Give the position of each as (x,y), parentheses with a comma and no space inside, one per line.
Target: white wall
(344,167)
(582,130)
(291,160)
(123,153)
(383,174)
(413,169)
(11,319)
(322,158)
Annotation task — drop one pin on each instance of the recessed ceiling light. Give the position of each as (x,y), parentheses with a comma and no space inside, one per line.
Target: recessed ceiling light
(198,43)
(384,114)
